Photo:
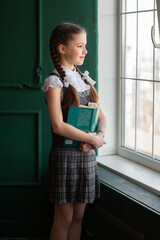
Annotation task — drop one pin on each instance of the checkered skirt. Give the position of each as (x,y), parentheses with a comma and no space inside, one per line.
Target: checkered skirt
(73,175)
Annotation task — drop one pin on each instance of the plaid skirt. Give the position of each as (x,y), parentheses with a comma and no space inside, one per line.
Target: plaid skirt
(73,175)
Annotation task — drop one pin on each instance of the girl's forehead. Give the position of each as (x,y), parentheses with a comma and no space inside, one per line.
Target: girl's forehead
(80,37)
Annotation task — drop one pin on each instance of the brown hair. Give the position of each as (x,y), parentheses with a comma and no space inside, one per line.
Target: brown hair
(61,35)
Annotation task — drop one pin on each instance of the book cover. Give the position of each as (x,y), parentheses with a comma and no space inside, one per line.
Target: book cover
(84,118)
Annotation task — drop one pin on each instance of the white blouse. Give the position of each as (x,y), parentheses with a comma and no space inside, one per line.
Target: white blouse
(72,77)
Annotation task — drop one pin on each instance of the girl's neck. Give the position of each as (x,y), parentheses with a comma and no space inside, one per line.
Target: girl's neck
(67,65)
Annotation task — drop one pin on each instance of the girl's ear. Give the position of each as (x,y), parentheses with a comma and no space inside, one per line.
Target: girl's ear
(61,49)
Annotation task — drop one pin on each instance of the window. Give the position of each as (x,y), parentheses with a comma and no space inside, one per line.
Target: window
(139,83)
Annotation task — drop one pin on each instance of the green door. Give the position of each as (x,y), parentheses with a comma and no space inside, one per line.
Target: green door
(24,123)
(25,137)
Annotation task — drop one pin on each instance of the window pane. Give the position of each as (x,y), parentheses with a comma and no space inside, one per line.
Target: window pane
(130,63)
(157,51)
(145,46)
(131,5)
(157,121)
(123,46)
(123,5)
(144,116)
(157,64)
(145,5)
(130,113)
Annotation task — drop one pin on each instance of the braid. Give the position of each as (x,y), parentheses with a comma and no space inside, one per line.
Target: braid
(56,62)
(93,96)
(72,98)
(71,95)
(77,69)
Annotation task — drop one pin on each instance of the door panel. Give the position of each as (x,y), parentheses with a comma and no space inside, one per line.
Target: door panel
(24,207)
(18,41)
(20,144)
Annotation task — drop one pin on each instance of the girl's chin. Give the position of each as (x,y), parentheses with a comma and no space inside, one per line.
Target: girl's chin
(80,62)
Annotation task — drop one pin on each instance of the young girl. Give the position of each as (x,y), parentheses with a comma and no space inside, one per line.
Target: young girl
(73,175)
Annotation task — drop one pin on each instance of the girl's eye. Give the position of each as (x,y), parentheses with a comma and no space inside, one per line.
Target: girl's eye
(80,46)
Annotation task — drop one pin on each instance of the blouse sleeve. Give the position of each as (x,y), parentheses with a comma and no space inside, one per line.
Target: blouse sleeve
(87,77)
(51,81)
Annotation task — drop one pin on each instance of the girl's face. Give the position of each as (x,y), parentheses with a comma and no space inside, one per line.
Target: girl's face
(74,52)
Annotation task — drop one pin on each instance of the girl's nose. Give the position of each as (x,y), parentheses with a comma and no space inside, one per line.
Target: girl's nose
(85,51)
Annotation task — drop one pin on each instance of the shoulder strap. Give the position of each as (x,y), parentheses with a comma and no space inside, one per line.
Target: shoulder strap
(52,73)
(55,74)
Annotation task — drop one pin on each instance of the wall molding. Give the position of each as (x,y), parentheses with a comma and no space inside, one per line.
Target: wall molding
(38,160)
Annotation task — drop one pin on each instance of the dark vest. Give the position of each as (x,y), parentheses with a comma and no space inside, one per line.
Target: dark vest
(57,140)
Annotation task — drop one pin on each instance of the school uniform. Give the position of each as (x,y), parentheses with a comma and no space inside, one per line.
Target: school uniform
(73,174)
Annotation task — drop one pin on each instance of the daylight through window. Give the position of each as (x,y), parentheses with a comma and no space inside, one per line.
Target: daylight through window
(140,78)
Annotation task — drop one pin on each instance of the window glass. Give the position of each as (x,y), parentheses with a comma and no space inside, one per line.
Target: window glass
(140,76)
(145,45)
(145,5)
(130,49)
(144,116)
(131,5)
(130,113)
(157,120)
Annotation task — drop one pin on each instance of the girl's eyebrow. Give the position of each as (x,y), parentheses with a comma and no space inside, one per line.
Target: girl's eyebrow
(81,43)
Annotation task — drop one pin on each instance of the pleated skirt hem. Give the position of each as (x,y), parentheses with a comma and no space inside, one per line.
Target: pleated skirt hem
(73,176)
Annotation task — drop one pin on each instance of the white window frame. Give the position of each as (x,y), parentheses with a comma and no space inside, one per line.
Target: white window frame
(123,151)
(158,11)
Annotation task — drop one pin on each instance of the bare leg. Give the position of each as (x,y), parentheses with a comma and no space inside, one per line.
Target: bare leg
(74,232)
(62,220)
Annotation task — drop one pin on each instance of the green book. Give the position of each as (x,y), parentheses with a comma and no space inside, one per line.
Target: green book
(84,118)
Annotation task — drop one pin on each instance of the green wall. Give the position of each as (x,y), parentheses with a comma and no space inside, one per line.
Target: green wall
(81,12)
(24,123)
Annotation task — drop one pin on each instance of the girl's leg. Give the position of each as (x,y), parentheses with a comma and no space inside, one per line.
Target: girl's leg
(74,232)
(62,220)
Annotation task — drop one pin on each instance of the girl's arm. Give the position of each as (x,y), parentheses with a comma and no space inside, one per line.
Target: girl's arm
(102,123)
(60,127)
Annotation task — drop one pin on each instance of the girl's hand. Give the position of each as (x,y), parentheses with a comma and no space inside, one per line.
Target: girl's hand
(85,147)
(98,141)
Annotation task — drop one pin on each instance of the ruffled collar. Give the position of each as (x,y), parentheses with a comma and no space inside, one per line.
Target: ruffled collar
(74,78)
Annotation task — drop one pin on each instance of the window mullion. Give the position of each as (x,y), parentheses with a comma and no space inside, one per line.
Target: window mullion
(153,114)
(124,83)
(121,81)
(136,81)
(123,61)
(142,11)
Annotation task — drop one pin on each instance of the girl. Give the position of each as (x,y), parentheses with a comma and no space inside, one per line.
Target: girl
(73,176)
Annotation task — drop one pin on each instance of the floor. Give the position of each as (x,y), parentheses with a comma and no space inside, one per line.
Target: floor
(84,237)
(88,238)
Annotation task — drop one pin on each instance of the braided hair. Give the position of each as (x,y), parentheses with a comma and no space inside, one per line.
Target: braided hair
(61,35)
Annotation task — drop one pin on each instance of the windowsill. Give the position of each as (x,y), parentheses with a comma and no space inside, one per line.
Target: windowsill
(134,172)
